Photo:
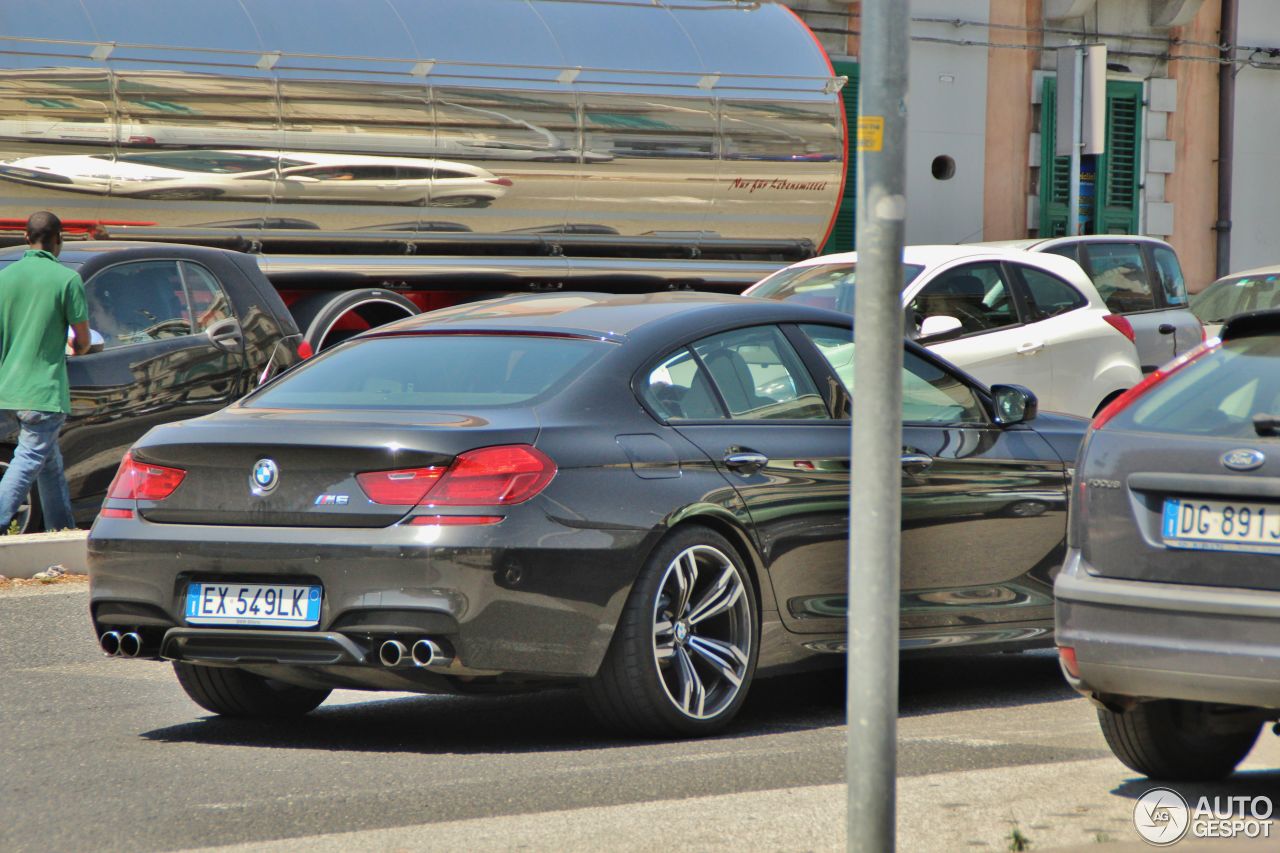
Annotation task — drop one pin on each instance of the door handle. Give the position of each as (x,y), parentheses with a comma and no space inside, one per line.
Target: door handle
(1030,347)
(745,461)
(1166,329)
(916,463)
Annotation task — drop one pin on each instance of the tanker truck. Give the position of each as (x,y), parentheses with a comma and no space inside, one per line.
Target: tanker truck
(386,157)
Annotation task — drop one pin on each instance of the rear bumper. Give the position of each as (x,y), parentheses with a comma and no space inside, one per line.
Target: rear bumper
(530,596)
(1169,641)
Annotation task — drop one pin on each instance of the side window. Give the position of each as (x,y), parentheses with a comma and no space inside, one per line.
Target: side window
(759,375)
(932,395)
(1120,274)
(1169,271)
(136,303)
(1066,250)
(977,295)
(209,302)
(1048,295)
(929,393)
(678,389)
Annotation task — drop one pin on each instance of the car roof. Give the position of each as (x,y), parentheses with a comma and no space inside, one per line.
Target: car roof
(1039,244)
(1273,269)
(611,316)
(82,251)
(928,256)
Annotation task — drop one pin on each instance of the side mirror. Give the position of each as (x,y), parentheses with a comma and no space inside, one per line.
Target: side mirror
(226,335)
(939,325)
(1013,404)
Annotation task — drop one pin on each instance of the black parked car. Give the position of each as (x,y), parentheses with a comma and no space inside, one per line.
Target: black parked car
(644,493)
(185,330)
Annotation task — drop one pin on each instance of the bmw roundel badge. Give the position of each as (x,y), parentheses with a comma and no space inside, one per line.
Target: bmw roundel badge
(1243,459)
(265,477)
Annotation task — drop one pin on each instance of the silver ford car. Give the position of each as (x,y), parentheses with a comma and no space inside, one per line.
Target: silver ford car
(1168,604)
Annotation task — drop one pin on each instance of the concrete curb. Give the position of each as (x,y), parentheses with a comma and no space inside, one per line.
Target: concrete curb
(23,556)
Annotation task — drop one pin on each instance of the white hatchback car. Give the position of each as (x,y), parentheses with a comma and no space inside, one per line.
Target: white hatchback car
(1003,315)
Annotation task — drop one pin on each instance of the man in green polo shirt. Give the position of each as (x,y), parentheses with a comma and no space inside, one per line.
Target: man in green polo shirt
(39,299)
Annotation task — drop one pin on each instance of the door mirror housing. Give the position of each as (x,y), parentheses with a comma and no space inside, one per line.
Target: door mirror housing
(1013,404)
(939,325)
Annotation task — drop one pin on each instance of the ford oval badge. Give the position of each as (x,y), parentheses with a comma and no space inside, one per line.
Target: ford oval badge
(1243,459)
(265,477)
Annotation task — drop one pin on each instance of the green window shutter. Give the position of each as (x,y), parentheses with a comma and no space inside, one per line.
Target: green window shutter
(843,234)
(1055,172)
(1117,173)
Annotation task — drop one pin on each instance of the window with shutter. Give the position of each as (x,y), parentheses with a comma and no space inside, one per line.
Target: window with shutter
(843,234)
(1116,174)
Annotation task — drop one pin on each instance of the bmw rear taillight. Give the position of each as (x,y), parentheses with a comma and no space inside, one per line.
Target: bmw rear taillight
(1128,398)
(1122,325)
(494,476)
(405,487)
(490,476)
(141,481)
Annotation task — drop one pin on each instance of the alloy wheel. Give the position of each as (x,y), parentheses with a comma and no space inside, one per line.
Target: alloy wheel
(702,631)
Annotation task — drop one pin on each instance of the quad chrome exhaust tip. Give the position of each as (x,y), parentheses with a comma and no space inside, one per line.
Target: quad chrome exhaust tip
(393,653)
(424,652)
(110,643)
(428,653)
(130,644)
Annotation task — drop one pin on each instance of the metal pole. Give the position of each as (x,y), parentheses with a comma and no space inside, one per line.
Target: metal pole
(1226,133)
(1077,121)
(876,451)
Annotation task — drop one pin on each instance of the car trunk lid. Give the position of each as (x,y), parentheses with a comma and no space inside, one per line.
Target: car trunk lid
(315,459)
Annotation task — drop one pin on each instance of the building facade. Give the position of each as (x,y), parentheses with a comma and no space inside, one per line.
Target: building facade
(981,163)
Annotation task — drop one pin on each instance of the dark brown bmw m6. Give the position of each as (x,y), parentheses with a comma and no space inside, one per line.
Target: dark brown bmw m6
(646,494)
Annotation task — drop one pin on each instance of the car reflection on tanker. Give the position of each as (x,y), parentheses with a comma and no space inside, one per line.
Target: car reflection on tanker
(237,175)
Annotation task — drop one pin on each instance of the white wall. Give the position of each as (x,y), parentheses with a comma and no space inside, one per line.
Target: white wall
(1255,234)
(947,116)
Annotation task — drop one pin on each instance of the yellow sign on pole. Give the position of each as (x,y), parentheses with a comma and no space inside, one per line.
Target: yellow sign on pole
(870,133)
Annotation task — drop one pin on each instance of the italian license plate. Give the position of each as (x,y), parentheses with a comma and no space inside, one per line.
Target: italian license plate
(270,605)
(1221,525)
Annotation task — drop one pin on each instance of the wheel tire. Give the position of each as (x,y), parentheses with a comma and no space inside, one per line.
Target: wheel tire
(1171,739)
(1107,401)
(649,682)
(235,693)
(29,516)
(317,315)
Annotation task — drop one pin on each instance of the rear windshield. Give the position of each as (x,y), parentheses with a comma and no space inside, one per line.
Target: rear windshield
(822,285)
(432,372)
(1216,395)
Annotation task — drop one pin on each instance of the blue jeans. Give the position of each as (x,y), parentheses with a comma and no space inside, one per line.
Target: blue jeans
(38,460)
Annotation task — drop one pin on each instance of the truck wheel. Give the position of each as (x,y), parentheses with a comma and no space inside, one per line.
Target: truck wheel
(28,516)
(1175,739)
(330,318)
(685,647)
(234,693)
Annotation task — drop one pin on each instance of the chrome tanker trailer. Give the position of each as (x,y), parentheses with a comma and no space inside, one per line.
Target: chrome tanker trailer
(382,157)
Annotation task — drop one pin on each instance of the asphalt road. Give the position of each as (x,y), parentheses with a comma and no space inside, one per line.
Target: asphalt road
(106,754)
